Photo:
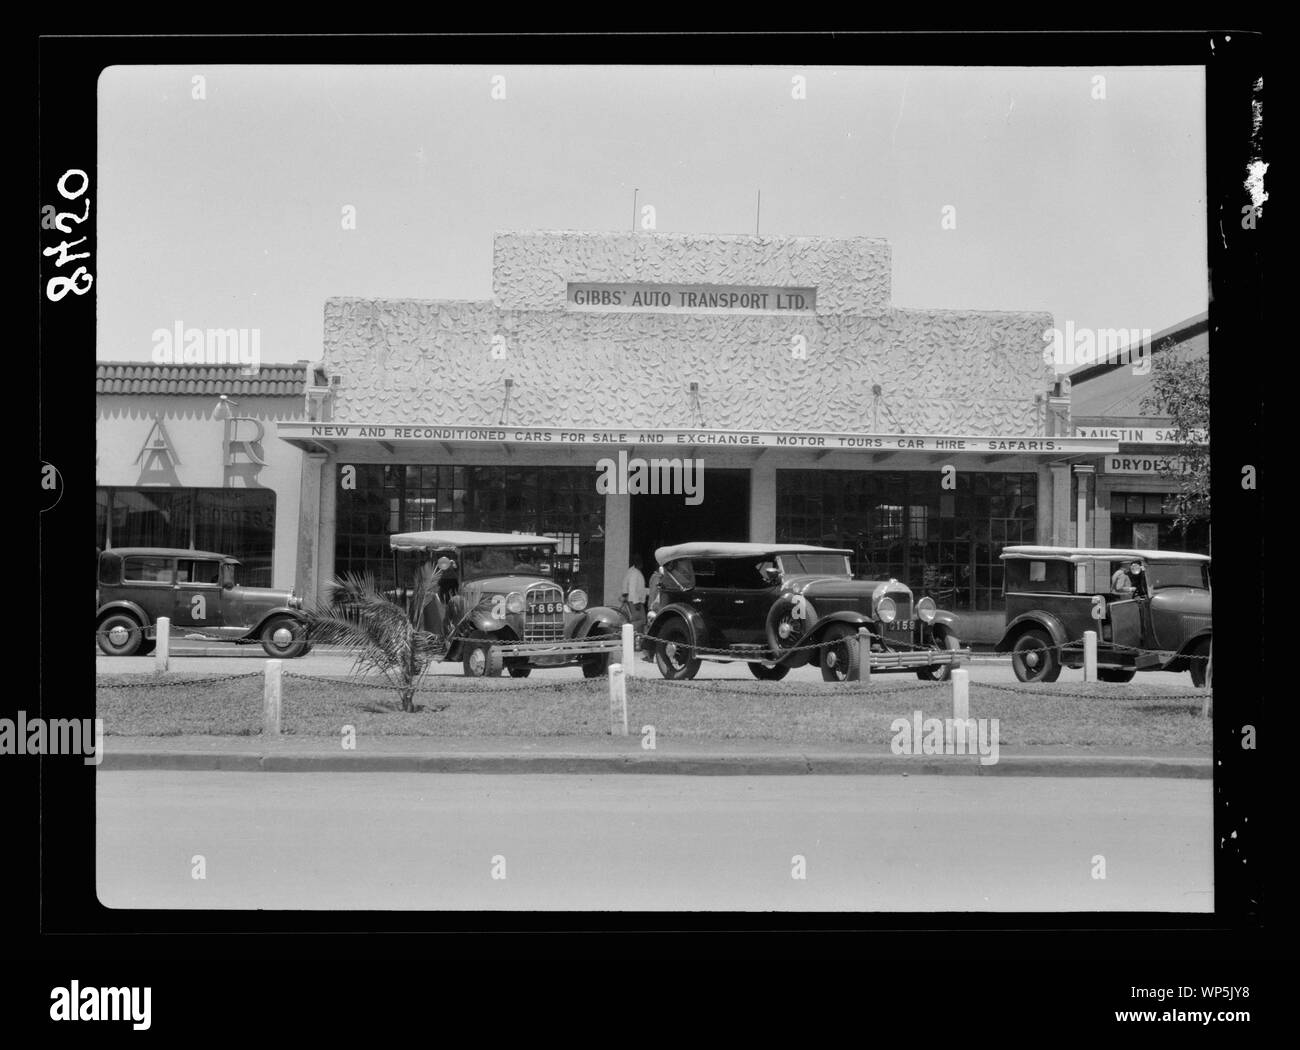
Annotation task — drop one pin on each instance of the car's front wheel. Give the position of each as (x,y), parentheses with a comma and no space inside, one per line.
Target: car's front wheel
(940,672)
(520,671)
(674,654)
(1115,674)
(119,634)
(597,664)
(482,660)
(1034,658)
(841,658)
(284,638)
(768,672)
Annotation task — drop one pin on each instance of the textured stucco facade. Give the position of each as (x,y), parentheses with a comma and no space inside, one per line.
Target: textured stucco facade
(939,371)
(530,270)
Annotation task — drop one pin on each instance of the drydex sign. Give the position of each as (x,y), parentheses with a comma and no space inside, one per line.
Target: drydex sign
(692,298)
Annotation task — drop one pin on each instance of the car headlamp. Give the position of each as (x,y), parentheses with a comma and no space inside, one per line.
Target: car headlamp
(886,610)
(577,599)
(515,602)
(926,609)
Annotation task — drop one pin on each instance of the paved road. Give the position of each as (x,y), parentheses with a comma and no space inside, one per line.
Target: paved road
(230,659)
(590,843)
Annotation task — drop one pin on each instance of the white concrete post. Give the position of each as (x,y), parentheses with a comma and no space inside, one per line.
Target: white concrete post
(960,694)
(162,643)
(960,709)
(1089,656)
(864,655)
(1207,708)
(271,699)
(617,701)
(629,651)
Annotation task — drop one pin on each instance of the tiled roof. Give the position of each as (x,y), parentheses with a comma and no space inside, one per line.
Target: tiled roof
(126,377)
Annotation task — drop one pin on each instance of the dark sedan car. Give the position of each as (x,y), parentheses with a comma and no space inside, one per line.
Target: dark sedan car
(199,592)
(1158,621)
(778,606)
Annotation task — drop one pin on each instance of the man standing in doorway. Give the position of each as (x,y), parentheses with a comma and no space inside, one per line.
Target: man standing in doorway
(634,594)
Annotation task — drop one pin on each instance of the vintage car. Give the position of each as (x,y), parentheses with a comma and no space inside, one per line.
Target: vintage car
(503,607)
(1163,625)
(768,604)
(199,592)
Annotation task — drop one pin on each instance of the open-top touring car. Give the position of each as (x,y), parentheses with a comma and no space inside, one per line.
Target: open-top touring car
(501,607)
(772,604)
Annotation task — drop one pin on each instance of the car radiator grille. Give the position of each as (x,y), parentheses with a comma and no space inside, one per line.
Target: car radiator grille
(544,620)
(903,603)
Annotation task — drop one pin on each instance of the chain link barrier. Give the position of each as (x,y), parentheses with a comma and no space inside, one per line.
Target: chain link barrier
(447,684)
(160,681)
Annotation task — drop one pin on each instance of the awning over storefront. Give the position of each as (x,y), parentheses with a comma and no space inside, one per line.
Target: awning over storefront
(332,437)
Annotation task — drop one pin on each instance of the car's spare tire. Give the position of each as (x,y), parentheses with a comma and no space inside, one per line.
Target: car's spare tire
(788,620)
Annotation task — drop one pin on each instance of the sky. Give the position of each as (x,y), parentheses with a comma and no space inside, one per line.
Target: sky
(225,211)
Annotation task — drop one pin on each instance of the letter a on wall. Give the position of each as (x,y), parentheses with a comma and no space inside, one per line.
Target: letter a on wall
(157,458)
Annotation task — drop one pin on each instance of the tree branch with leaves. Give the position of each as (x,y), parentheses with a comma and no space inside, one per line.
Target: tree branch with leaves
(1181,391)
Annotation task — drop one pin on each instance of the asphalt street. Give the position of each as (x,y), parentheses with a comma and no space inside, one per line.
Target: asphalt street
(628,843)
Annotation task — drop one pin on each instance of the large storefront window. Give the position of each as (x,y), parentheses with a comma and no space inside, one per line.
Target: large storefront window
(238,522)
(903,524)
(1146,520)
(546,501)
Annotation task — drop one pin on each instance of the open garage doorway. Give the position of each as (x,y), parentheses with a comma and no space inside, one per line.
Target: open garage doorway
(659,520)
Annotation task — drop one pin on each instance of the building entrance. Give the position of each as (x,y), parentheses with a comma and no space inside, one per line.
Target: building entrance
(659,520)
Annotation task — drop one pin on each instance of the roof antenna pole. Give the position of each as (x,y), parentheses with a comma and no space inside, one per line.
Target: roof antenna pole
(634,193)
(758,211)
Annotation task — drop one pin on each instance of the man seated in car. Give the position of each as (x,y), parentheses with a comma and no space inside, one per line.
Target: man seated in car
(1127,581)
(446,568)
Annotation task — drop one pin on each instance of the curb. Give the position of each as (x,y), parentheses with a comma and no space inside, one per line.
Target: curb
(696,765)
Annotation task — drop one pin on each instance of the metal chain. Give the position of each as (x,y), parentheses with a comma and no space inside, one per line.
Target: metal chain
(1031,687)
(158,683)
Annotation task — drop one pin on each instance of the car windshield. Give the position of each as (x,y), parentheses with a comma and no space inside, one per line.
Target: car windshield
(504,561)
(1178,574)
(815,563)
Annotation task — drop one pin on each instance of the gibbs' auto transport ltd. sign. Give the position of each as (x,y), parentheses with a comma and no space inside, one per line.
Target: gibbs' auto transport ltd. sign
(691,298)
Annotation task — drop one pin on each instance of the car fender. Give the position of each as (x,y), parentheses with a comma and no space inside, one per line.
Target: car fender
(481,619)
(1181,661)
(818,630)
(854,619)
(699,630)
(598,617)
(1047,621)
(126,607)
(944,619)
